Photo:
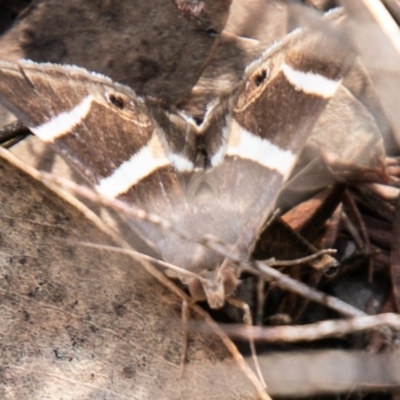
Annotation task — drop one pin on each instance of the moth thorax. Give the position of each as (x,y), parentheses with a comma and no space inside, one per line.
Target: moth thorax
(215,288)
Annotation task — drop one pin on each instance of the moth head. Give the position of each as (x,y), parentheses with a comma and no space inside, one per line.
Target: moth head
(213,286)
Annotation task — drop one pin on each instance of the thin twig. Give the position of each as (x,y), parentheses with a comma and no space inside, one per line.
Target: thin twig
(272,262)
(287,283)
(320,330)
(385,21)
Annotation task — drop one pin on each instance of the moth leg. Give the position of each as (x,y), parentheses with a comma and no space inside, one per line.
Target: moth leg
(185,318)
(248,321)
(13,133)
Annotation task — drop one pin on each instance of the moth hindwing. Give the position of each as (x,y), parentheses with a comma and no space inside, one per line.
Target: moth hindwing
(131,150)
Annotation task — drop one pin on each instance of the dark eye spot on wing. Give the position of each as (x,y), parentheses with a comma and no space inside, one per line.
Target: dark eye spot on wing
(260,77)
(117,101)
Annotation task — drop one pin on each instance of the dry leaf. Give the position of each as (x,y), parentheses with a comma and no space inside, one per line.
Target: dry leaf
(78,323)
(148,45)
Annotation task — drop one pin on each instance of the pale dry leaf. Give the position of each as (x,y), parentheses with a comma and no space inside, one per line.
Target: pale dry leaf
(83,324)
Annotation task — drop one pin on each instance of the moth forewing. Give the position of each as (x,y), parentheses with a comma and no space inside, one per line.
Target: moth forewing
(270,117)
(133,150)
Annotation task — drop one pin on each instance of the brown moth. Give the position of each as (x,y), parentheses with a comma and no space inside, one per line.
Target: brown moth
(219,179)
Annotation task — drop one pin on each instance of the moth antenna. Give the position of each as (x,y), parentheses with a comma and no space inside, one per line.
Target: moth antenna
(140,256)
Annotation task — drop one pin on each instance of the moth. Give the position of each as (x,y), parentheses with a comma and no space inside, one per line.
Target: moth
(219,179)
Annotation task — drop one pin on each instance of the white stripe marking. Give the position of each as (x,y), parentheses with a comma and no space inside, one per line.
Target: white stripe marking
(244,144)
(182,164)
(310,83)
(64,122)
(219,155)
(147,160)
